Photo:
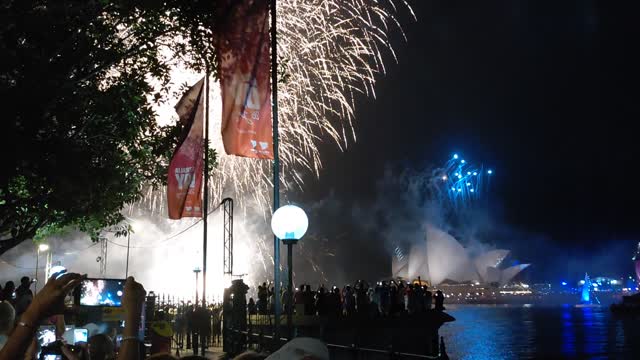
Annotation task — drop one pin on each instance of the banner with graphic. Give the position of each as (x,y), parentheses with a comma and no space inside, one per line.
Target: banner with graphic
(184,185)
(243,67)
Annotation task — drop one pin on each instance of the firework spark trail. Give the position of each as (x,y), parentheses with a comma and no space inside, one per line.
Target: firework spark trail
(330,51)
(461,182)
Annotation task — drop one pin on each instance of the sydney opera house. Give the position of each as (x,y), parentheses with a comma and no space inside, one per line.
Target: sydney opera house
(442,258)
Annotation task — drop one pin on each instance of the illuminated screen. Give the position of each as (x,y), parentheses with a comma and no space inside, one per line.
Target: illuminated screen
(101,292)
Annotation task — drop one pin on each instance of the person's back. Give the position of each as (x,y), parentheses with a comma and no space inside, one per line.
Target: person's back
(251,307)
(24,288)
(101,347)
(7,319)
(7,292)
(24,295)
(428,299)
(439,300)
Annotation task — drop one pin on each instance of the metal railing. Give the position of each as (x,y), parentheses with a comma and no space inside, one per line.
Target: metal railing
(262,342)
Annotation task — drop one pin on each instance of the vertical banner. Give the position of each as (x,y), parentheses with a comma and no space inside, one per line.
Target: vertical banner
(184,185)
(243,68)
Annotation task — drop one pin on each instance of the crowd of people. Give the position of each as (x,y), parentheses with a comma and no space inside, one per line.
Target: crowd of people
(22,313)
(387,298)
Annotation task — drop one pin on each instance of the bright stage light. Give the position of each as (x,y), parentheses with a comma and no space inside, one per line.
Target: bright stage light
(455,156)
(453,188)
(444,178)
(459,190)
(468,172)
(489,172)
(471,190)
(475,173)
(289,223)
(564,283)
(462,161)
(43,247)
(468,184)
(459,176)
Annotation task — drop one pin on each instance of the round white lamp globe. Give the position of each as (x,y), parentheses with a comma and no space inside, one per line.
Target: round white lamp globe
(289,223)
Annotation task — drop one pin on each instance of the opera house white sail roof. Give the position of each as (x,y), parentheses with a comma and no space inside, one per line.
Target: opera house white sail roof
(441,257)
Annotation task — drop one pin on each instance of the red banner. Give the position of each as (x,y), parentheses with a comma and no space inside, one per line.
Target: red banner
(243,53)
(185,171)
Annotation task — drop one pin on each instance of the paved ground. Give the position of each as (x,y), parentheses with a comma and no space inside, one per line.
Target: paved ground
(211,353)
(214,353)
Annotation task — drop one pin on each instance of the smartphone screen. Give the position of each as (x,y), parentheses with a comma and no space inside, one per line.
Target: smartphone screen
(80,335)
(46,335)
(101,292)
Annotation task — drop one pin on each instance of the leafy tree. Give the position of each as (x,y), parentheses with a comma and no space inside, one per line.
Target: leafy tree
(78,79)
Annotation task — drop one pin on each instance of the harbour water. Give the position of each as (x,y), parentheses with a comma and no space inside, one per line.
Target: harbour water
(540,332)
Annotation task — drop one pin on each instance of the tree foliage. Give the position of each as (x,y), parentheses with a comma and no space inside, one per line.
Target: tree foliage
(78,79)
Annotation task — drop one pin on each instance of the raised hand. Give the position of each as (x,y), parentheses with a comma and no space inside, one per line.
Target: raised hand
(50,300)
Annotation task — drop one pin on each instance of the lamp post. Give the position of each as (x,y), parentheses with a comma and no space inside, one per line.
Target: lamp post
(41,247)
(196,271)
(289,223)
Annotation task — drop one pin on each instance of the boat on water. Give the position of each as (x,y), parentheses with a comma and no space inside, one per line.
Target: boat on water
(586,300)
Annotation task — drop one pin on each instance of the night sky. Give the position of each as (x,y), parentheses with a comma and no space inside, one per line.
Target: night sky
(544,92)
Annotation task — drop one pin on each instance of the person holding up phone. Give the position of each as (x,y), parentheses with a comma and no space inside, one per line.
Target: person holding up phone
(132,302)
(48,302)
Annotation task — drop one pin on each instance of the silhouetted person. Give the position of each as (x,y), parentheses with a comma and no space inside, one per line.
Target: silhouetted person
(349,301)
(7,292)
(439,301)
(308,300)
(263,296)
(385,299)
(251,307)
(24,295)
(321,302)
(428,299)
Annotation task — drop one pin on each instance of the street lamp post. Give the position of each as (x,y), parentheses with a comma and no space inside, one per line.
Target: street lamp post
(41,247)
(289,223)
(196,271)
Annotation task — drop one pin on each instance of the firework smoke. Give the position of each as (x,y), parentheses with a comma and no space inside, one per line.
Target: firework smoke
(329,52)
